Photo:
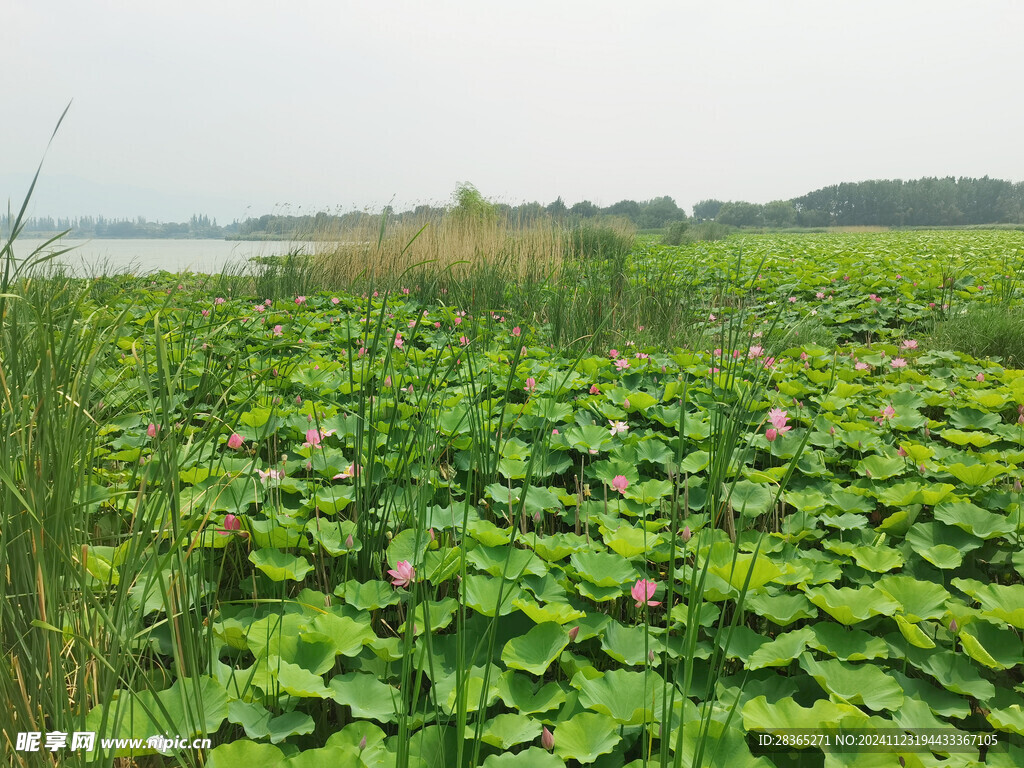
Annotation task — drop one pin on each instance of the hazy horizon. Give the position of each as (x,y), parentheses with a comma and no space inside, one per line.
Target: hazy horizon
(240,109)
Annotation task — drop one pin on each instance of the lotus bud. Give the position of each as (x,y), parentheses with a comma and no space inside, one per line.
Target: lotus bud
(650,655)
(573,634)
(362,744)
(349,542)
(536,516)
(433,537)
(953,626)
(547,739)
(1016,486)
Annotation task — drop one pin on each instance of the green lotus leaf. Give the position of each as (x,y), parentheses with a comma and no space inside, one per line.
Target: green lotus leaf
(1010,719)
(630,542)
(913,633)
(1002,647)
(954,671)
(603,569)
(367,696)
(759,715)
(440,613)
(806,499)
(973,519)
(850,605)
(296,723)
(695,462)
(585,737)
(441,564)
(782,609)
(172,710)
(334,498)
(331,535)
(654,451)
(847,644)
(348,635)
(408,545)
(447,692)
(762,570)
(881,467)
(245,752)
(725,747)
(1004,602)
(780,651)
(509,561)
(942,545)
(920,600)
(560,613)
(880,559)
(750,499)
(975,474)
(859,684)
(629,698)
(534,757)
(521,693)
(559,545)
(480,592)
(487,533)
(273,535)
(253,717)
(534,651)
(280,565)
(649,491)
(971,418)
(977,439)
(627,644)
(369,595)
(852,502)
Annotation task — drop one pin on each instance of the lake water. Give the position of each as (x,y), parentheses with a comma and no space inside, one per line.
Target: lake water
(140,256)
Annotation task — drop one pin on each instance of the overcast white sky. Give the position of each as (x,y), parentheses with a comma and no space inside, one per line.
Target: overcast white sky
(238,108)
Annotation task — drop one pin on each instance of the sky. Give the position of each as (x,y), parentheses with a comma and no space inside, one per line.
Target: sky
(240,108)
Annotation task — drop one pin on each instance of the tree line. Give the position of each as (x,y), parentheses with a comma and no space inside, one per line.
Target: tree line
(889,203)
(926,202)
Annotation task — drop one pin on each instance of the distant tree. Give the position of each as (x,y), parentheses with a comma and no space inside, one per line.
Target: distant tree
(659,212)
(740,214)
(557,209)
(707,209)
(470,205)
(628,208)
(584,210)
(779,213)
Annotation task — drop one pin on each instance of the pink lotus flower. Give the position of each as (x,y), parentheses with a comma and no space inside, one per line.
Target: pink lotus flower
(205,312)
(547,738)
(278,330)
(403,574)
(778,418)
(861,366)
(910,344)
(218,300)
(643,591)
(235,441)
(888,412)
(151,429)
(898,362)
(594,389)
(622,363)
(819,295)
(620,483)
(516,331)
(618,427)
(231,524)
(755,351)
(613,353)
(399,341)
(300,299)
(312,439)
(270,474)
(352,471)
(980,377)
(771,434)
(531,384)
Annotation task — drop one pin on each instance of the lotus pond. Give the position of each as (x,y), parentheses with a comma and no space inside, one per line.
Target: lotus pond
(380,530)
